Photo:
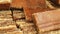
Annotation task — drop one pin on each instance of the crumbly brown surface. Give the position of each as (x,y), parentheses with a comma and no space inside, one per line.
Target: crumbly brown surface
(13,20)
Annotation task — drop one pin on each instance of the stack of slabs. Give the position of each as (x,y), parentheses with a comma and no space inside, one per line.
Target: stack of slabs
(7,26)
(26,27)
(6,22)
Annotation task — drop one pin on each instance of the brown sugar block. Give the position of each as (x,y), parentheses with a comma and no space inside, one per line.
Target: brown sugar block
(5,4)
(47,21)
(33,6)
(27,27)
(23,23)
(16,4)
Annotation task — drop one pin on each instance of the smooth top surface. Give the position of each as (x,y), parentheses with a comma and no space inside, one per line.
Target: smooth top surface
(48,16)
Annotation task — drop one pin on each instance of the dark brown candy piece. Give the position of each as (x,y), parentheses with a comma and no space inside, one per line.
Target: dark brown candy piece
(5,4)
(47,21)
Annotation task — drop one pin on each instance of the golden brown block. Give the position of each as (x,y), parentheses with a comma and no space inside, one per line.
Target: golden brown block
(47,21)
(27,27)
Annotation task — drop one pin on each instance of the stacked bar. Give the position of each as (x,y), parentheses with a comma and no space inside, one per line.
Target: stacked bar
(7,25)
(47,21)
(27,28)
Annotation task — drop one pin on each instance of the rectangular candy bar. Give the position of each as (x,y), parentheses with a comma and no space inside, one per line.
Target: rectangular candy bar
(47,21)
(27,27)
